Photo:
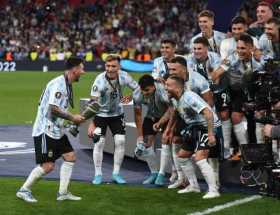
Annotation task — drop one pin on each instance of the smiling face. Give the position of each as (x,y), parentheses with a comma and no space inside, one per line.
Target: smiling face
(264,13)
(167,50)
(200,51)
(77,71)
(272,31)
(205,24)
(238,29)
(244,50)
(112,67)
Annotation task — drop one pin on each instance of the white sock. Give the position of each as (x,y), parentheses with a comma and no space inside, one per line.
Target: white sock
(119,152)
(259,133)
(175,149)
(98,156)
(164,158)
(35,174)
(214,163)
(150,158)
(65,175)
(240,131)
(208,174)
(189,171)
(226,128)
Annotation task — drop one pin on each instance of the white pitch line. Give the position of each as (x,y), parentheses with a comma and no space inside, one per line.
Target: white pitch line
(227,205)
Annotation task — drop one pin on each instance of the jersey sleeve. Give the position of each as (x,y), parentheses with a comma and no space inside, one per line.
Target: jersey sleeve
(137,98)
(96,88)
(56,92)
(130,82)
(194,101)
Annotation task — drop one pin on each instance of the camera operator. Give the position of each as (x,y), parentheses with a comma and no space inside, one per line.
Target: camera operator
(269,42)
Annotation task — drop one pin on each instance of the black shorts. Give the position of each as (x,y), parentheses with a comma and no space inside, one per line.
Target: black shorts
(115,123)
(147,126)
(222,100)
(238,98)
(180,125)
(197,139)
(48,149)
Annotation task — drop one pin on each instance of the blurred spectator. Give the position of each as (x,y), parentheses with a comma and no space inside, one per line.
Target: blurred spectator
(128,27)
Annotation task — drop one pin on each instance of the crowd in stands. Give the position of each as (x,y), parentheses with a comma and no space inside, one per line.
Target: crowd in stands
(55,29)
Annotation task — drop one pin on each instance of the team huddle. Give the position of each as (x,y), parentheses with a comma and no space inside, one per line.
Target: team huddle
(194,101)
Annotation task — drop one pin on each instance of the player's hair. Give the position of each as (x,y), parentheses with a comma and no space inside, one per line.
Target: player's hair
(247,39)
(113,57)
(179,59)
(178,80)
(168,40)
(238,20)
(206,13)
(72,62)
(273,20)
(202,40)
(266,4)
(146,81)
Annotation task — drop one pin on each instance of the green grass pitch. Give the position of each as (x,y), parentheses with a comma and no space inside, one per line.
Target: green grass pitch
(19,95)
(121,200)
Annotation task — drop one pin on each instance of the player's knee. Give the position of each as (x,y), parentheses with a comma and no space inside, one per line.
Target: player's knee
(119,140)
(70,157)
(48,167)
(183,154)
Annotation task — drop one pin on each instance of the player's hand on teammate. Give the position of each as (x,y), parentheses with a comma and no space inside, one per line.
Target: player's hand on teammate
(126,99)
(211,139)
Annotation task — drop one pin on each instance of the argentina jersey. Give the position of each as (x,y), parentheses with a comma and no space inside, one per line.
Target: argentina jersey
(160,68)
(228,46)
(190,107)
(236,67)
(109,93)
(54,94)
(214,41)
(266,47)
(204,68)
(157,104)
(196,83)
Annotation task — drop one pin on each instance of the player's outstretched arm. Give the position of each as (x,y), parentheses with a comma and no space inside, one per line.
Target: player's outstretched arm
(75,118)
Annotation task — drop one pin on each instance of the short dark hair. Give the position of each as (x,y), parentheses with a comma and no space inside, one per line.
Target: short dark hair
(274,21)
(72,62)
(238,20)
(208,13)
(179,81)
(202,40)
(168,40)
(179,59)
(247,39)
(146,81)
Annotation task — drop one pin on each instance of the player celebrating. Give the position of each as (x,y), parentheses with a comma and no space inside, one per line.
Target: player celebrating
(49,139)
(153,95)
(107,89)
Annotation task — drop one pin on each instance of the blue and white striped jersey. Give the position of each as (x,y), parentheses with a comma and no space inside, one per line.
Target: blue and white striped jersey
(197,83)
(157,104)
(109,95)
(54,94)
(266,47)
(228,46)
(204,68)
(189,108)
(214,41)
